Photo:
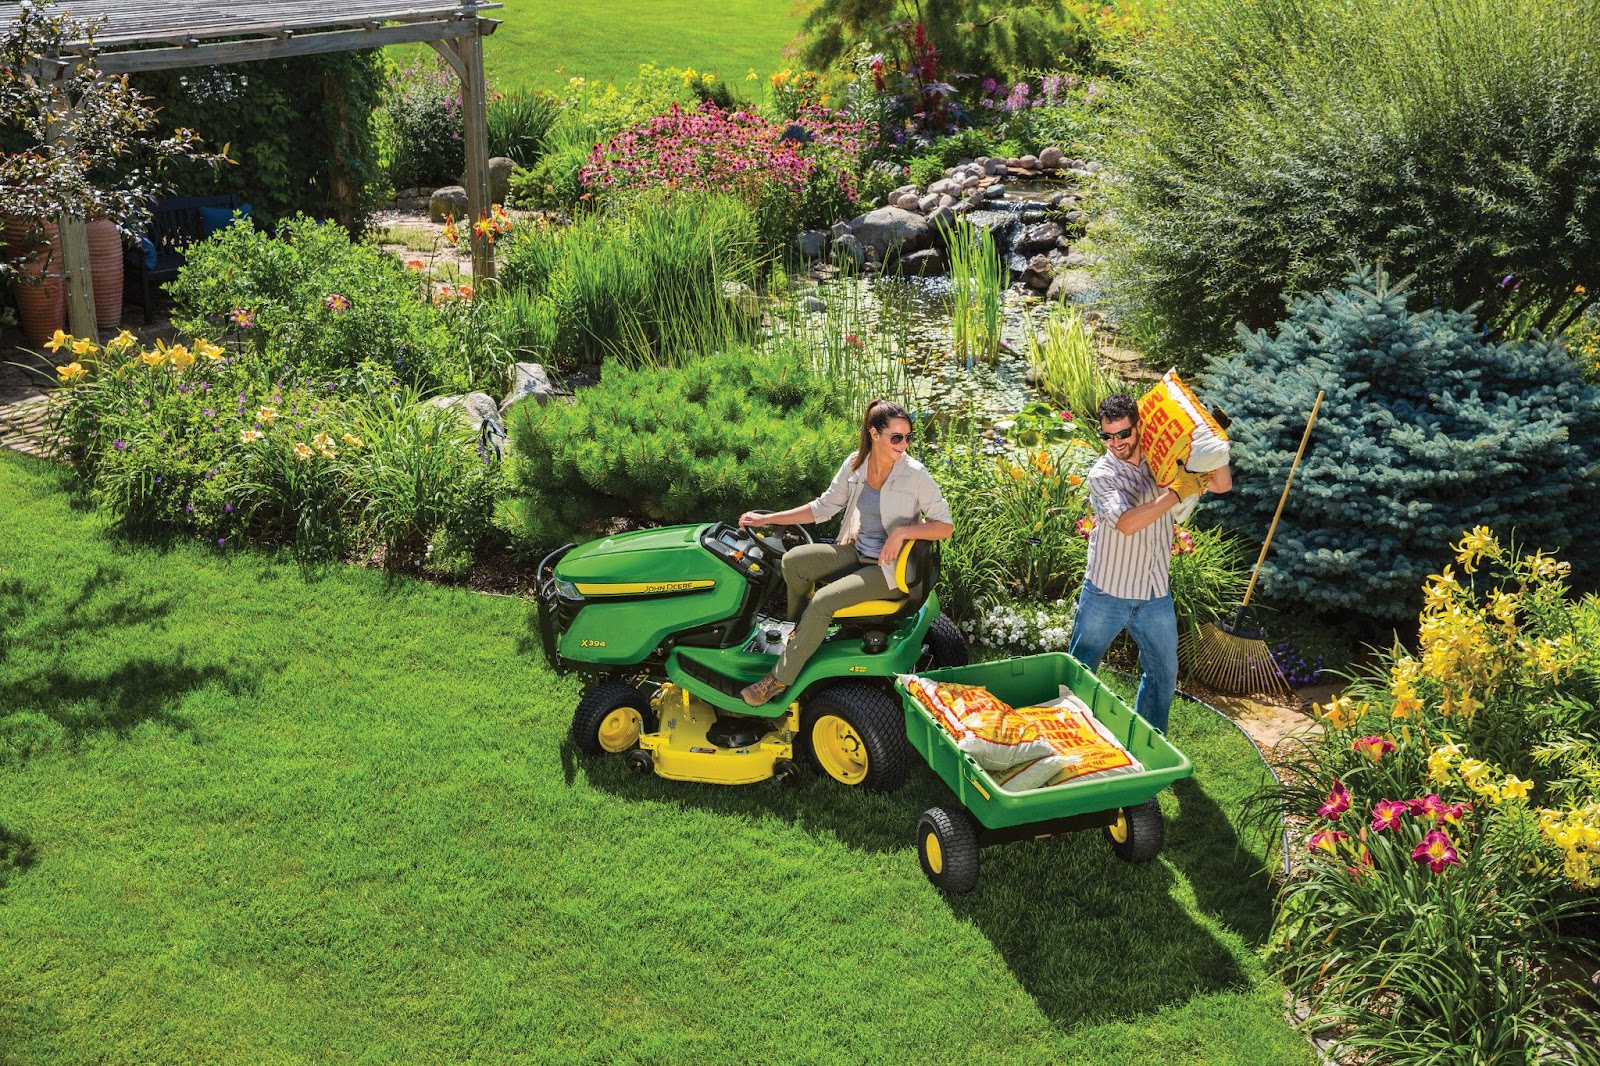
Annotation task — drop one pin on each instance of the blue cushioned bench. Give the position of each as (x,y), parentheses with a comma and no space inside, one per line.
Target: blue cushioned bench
(174,225)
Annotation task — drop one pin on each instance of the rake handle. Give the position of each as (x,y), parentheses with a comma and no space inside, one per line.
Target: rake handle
(1255,571)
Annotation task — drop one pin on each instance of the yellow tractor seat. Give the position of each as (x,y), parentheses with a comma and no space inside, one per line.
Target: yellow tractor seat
(915,571)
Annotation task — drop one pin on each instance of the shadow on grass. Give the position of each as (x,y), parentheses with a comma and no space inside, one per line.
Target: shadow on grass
(17,853)
(1088,936)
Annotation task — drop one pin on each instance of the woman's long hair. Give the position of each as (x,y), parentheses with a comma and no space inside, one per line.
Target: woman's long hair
(879,414)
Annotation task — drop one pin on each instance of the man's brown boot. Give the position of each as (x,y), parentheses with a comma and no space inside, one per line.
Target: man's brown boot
(764,691)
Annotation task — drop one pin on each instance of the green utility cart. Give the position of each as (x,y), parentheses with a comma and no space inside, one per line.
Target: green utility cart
(1124,806)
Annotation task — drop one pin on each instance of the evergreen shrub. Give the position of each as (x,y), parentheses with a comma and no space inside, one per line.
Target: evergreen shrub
(703,441)
(1426,429)
(1262,145)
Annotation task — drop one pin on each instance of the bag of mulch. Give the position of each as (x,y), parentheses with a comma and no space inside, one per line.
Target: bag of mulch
(1079,740)
(1176,430)
(983,725)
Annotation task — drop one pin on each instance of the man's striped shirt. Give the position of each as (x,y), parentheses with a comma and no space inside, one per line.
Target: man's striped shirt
(1131,566)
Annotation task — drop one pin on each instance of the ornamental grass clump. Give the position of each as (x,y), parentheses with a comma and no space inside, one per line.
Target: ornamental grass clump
(1426,429)
(978,281)
(1260,145)
(1452,806)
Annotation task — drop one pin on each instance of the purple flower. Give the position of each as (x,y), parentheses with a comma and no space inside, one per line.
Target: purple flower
(120,445)
(158,479)
(222,542)
(228,507)
(188,508)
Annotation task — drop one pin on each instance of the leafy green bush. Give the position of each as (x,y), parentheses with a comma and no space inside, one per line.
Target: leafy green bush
(1426,429)
(421,124)
(293,125)
(924,170)
(1264,144)
(706,440)
(319,302)
(644,282)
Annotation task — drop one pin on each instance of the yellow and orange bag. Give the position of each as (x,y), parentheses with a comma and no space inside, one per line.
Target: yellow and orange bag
(1176,431)
(984,726)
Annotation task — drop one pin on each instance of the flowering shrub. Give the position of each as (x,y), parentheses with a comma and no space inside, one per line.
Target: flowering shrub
(1023,629)
(421,124)
(211,441)
(1454,800)
(793,174)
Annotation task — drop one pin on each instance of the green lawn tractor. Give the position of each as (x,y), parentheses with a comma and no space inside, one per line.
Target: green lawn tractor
(668,625)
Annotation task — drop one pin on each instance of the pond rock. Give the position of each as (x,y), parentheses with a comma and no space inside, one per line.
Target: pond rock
(743,298)
(1051,158)
(477,409)
(1038,237)
(528,379)
(447,203)
(813,243)
(812,303)
(1037,273)
(847,249)
(920,264)
(890,231)
(500,168)
(1070,285)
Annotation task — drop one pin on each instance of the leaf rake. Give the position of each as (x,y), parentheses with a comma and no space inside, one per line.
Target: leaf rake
(1231,659)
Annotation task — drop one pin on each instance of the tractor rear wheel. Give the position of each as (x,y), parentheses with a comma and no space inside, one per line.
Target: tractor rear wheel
(942,646)
(610,718)
(947,844)
(856,734)
(1138,832)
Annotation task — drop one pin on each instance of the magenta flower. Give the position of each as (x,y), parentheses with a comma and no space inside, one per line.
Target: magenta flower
(1338,801)
(1436,852)
(1429,806)
(1386,814)
(242,318)
(338,304)
(1373,748)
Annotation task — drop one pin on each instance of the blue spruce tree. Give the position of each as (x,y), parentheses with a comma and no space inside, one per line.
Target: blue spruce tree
(1425,431)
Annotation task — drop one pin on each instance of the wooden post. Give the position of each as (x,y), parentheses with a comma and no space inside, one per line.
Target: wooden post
(74,240)
(465,54)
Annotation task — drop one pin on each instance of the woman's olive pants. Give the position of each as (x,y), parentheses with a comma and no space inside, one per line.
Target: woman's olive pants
(846,579)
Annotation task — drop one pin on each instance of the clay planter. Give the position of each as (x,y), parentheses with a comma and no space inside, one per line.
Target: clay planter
(42,292)
(105,267)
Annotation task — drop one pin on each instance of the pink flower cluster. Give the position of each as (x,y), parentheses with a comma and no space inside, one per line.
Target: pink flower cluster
(1436,851)
(708,148)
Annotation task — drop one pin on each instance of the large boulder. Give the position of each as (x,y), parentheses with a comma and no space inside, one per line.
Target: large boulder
(889,232)
(500,168)
(920,264)
(1039,237)
(848,250)
(447,203)
(813,243)
(477,409)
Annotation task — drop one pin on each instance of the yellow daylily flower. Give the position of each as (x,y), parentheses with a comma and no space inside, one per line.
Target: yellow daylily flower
(59,338)
(1515,788)
(71,372)
(181,357)
(266,414)
(153,358)
(121,342)
(354,442)
(302,451)
(206,349)
(84,347)
(1473,546)
(250,436)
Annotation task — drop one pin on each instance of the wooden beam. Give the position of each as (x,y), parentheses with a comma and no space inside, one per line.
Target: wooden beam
(79,279)
(475,121)
(220,53)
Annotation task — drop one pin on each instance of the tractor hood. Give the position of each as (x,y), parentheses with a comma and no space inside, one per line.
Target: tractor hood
(657,558)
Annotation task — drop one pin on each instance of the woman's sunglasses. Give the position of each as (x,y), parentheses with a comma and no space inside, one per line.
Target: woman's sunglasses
(1121,434)
(896,438)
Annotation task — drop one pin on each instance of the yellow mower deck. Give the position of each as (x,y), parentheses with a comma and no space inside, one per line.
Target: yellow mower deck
(681,752)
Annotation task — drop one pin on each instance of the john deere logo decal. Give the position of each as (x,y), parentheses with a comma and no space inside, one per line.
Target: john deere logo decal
(641,588)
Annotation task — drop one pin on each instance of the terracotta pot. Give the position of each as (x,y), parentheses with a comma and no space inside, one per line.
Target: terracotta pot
(42,292)
(105,267)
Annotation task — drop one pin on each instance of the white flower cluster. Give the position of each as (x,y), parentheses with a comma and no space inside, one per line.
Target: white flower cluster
(1030,628)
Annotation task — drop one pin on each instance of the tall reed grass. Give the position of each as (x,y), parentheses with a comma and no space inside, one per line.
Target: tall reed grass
(978,281)
(1066,364)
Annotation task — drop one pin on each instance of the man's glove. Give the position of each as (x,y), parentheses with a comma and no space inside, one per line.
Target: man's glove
(1187,483)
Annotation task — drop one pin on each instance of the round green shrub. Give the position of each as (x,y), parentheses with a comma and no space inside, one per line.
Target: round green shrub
(704,441)
(1263,145)
(1426,430)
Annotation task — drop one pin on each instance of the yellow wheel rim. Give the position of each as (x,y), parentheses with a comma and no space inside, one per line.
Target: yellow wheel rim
(935,854)
(839,749)
(1119,828)
(620,729)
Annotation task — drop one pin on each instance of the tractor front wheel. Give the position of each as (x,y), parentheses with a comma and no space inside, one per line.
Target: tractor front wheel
(610,718)
(856,734)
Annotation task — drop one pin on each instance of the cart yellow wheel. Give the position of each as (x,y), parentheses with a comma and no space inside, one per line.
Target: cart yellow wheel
(856,734)
(1138,832)
(947,844)
(610,719)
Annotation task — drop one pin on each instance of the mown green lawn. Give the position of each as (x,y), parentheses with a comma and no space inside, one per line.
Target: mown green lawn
(254,815)
(541,45)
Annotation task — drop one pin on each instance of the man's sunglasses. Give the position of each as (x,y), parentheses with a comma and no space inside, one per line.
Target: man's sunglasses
(896,438)
(1121,434)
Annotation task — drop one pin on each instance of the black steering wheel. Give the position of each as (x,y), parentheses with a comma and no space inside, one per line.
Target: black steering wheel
(780,542)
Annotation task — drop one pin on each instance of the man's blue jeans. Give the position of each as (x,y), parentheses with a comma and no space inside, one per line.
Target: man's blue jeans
(1154,628)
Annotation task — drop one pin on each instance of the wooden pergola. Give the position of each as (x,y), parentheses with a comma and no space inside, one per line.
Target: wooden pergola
(143,35)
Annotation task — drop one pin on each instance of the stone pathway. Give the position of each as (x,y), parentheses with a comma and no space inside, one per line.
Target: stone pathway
(24,410)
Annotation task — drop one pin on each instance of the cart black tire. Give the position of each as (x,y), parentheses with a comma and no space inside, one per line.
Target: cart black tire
(856,734)
(943,645)
(590,731)
(947,845)
(1142,831)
